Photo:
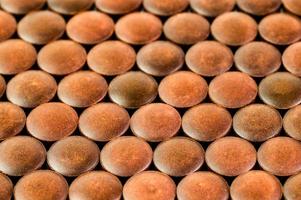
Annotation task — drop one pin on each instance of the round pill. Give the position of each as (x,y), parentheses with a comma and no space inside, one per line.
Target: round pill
(233,89)
(155,122)
(210,8)
(104,121)
(82,89)
(117,6)
(280,28)
(206,122)
(133,89)
(291,122)
(291,59)
(256,184)
(280,156)
(149,185)
(62,57)
(258,7)
(31,88)
(230,156)
(178,156)
(73,156)
(160,58)
(209,58)
(257,59)
(293,6)
(52,121)
(8,25)
(183,89)
(6,188)
(257,122)
(281,90)
(16,56)
(21,7)
(69,7)
(291,188)
(12,120)
(165,8)
(41,185)
(96,185)
(111,58)
(203,185)
(21,155)
(90,27)
(234,28)
(126,156)
(186,28)
(138,28)
(41,27)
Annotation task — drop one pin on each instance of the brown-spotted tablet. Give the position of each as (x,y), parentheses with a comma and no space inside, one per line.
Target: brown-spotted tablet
(104,121)
(90,27)
(8,25)
(117,7)
(186,28)
(203,185)
(291,58)
(293,6)
(257,122)
(206,122)
(209,58)
(41,27)
(31,88)
(125,156)
(138,28)
(62,57)
(69,7)
(52,121)
(21,7)
(133,89)
(155,122)
(12,120)
(178,156)
(183,89)
(96,185)
(256,185)
(233,89)
(280,156)
(6,189)
(15,48)
(234,28)
(2,86)
(259,7)
(160,58)
(166,7)
(41,185)
(82,89)
(210,8)
(111,58)
(230,156)
(280,28)
(73,156)
(21,155)
(292,122)
(258,59)
(291,188)
(281,90)
(149,185)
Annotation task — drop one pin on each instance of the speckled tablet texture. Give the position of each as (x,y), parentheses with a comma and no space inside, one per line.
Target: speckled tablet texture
(150,99)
